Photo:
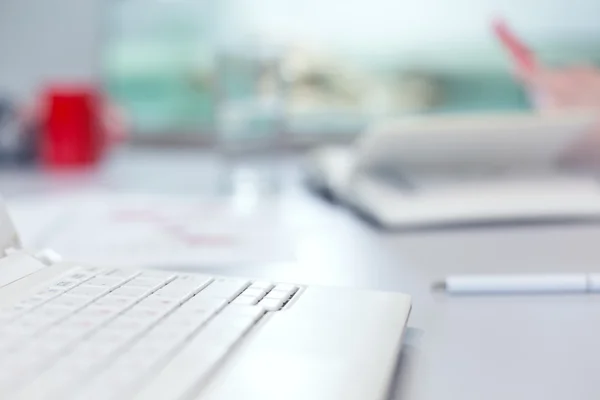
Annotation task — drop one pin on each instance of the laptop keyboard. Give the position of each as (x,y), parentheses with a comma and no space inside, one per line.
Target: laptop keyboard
(101,334)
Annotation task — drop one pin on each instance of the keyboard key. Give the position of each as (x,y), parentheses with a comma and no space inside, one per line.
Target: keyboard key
(91,291)
(44,349)
(51,345)
(183,319)
(175,292)
(33,301)
(70,301)
(92,349)
(225,288)
(53,310)
(99,312)
(78,362)
(275,295)
(283,291)
(188,285)
(157,274)
(147,283)
(105,281)
(285,287)
(131,291)
(202,304)
(114,302)
(123,274)
(65,284)
(244,299)
(147,352)
(171,333)
(158,303)
(80,275)
(19,308)
(198,278)
(15,332)
(111,340)
(124,373)
(167,334)
(82,325)
(11,341)
(271,304)
(49,293)
(254,292)
(184,322)
(145,313)
(95,270)
(193,285)
(35,323)
(132,326)
(262,285)
(236,310)
(11,313)
(61,337)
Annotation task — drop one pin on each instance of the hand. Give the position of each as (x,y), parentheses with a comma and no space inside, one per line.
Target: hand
(574,87)
(570,88)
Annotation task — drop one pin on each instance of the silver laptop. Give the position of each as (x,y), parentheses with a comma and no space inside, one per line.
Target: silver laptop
(79,332)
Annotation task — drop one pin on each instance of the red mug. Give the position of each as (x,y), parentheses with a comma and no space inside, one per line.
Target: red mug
(73,132)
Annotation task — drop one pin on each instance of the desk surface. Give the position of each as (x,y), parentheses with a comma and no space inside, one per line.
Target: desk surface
(473,348)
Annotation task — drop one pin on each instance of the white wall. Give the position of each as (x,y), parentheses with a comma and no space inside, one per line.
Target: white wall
(45,40)
(378,25)
(48,40)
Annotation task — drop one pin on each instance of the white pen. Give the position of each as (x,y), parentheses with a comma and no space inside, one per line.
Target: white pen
(520,284)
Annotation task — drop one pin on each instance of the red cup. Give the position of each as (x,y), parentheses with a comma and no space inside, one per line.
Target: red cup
(73,133)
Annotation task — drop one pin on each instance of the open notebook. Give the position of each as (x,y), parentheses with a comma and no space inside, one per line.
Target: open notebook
(461,170)
(476,203)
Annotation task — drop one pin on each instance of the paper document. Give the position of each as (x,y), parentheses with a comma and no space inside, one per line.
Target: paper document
(161,231)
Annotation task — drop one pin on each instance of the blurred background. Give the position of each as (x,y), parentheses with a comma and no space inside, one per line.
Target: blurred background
(278,72)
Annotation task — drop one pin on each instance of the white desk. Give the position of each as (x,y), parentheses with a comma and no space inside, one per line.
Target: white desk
(494,348)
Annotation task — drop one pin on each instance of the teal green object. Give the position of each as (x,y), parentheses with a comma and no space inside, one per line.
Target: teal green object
(480,91)
(151,79)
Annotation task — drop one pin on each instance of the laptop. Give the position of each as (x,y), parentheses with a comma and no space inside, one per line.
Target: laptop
(456,170)
(71,331)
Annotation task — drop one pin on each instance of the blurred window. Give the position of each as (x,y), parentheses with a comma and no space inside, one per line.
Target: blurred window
(314,70)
